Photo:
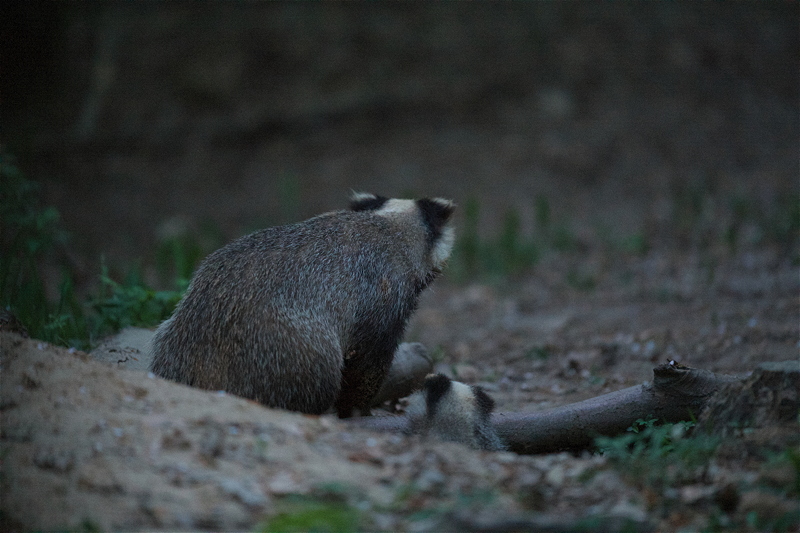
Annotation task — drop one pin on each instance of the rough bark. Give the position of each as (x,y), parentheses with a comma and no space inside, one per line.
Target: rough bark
(676,393)
(410,365)
(768,398)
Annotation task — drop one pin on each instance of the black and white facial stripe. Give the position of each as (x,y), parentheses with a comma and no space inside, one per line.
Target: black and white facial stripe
(434,213)
(454,411)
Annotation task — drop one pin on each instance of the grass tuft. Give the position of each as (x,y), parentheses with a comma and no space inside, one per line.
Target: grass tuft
(657,455)
(326,511)
(508,255)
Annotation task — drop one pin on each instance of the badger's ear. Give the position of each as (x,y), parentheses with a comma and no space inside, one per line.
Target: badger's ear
(483,402)
(364,201)
(435,212)
(436,386)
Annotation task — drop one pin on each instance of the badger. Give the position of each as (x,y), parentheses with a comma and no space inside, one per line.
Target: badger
(307,316)
(453,411)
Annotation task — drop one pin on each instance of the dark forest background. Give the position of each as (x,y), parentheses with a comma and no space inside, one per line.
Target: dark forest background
(143,121)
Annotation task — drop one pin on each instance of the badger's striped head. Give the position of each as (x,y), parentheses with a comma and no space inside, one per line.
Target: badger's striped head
(455,412)
(433,213)
(456,399)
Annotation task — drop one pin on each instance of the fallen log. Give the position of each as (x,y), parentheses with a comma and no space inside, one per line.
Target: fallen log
(676,393)
(410,365)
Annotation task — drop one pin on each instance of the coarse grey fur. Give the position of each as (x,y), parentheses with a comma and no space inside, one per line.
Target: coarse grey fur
(453,411)
(307,316)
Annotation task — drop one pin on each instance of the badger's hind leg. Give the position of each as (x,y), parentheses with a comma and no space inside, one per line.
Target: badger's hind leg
(297,370)
(362,378)
(190,359)
(165,362)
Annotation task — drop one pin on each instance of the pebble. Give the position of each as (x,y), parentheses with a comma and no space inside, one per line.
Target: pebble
(649,348)
(58,460)
(555,476)
(692,494)
(246,491)
(627,509)
(283,483)
(430,479)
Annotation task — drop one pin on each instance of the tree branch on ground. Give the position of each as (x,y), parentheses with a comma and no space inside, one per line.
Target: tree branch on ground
(676,393)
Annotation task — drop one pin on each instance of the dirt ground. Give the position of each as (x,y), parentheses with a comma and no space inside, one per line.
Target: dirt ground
(663,136)
(88,445)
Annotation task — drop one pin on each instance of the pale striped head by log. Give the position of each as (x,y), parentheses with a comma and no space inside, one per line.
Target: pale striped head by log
(433,213)
(454,411)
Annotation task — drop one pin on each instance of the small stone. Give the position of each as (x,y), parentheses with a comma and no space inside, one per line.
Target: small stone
(212,443)
(30,382)
(96,476)
(246,491)
(555,476)
(284,483)
(430,479)
(58,460)
(626,509)
(693,494)
(174,438)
